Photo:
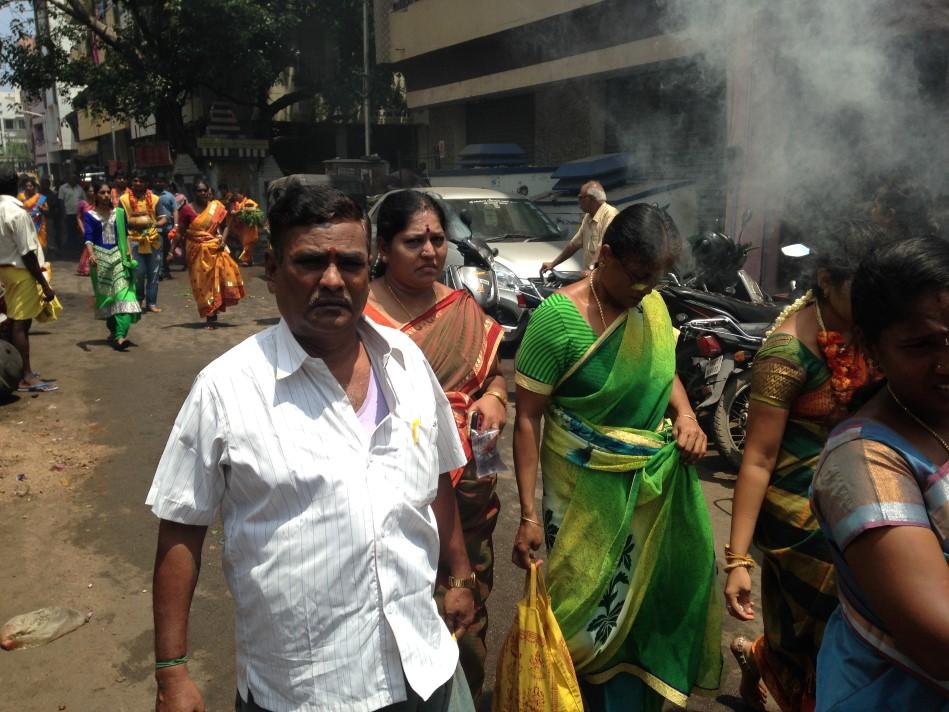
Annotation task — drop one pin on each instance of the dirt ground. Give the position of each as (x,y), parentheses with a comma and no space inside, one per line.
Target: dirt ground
(75,466)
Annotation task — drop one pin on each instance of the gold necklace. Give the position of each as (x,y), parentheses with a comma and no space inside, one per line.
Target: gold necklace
(820,320)
(399,301)
(597,298)
(925,426)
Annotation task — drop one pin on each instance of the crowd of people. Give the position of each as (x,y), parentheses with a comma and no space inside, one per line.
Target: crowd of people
(360,570)
(844,487)
(127,232)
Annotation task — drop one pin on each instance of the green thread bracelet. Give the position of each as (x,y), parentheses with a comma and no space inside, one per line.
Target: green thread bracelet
(162,664)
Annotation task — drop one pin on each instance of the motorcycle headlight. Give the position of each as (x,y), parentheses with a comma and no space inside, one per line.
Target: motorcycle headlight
(506,278)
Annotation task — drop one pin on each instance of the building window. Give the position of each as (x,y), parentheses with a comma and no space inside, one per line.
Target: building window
(21,124)
(8,124)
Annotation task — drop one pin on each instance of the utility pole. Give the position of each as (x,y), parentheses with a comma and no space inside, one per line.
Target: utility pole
(41,20)
(365,74)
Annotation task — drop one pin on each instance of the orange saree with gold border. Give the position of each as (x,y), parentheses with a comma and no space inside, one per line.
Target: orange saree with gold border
(216,281)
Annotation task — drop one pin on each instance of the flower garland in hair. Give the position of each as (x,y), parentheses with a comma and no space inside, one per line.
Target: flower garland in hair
(789,311)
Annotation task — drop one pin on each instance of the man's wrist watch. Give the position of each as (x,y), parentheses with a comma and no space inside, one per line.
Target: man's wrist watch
(469,581)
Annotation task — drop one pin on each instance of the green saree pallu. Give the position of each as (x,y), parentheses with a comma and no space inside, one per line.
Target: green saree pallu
(112,277)
(631,566)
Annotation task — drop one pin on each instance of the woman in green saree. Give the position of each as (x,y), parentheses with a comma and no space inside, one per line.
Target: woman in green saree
(631,566)
(111,268)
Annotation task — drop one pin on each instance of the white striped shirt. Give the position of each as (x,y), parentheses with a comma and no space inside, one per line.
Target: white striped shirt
(331,545)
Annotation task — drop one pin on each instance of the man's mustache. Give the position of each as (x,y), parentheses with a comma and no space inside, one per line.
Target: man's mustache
(328,301)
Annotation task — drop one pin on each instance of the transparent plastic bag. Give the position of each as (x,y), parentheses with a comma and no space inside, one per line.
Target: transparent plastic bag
(41,626)
(487,458)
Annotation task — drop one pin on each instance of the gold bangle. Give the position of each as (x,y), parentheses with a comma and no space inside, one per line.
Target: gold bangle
(686,415)
(738,565)
(498,396)
(733,560)
(532,521)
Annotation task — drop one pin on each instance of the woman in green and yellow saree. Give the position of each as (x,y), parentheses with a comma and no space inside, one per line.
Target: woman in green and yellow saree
(631,566)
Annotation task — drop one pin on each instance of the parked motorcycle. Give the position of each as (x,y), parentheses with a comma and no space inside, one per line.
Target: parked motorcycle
(713,360)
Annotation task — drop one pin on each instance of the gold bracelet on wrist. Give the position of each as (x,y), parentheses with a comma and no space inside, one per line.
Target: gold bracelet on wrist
(532,521)
(497,395)
(738,565)
(734,561)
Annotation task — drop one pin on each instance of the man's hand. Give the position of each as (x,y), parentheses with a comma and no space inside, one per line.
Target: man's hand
(459,610)
(546,267)
(48,293)
(177,691)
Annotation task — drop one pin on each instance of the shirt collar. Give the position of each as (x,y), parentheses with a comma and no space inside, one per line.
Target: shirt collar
(600,212)
(12,199)
(291,356)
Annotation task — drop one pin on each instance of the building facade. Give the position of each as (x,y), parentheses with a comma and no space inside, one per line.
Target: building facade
(14,136)
(733,100)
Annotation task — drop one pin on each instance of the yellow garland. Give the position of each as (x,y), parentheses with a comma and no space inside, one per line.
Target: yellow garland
(790,310)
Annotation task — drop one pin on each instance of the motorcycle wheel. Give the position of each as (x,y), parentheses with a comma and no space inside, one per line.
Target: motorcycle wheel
(731,418)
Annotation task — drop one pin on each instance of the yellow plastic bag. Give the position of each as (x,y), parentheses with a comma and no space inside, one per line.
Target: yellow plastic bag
(535,672)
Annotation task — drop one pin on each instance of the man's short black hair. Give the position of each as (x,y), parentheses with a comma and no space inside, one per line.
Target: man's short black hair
(297,203)
(9,183)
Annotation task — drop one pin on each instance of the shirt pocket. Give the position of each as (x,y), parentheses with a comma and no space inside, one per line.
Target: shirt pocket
(409,459)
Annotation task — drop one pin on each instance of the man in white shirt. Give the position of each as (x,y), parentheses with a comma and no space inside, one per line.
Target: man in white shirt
(321,441)
(70,193)
(597,216)
(27,292)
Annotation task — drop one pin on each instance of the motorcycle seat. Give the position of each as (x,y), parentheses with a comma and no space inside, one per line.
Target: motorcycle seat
(756,329)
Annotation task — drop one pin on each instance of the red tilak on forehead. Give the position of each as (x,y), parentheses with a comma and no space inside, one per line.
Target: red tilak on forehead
(332,252)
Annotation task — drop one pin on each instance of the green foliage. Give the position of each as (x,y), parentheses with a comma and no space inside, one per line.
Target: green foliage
(251,216)
(165,51)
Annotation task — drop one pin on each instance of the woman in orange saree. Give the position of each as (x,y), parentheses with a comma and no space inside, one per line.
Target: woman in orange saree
(37,206)
(216,281)
(461,343)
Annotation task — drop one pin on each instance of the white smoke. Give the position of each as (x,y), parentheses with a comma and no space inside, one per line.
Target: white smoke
(824,96)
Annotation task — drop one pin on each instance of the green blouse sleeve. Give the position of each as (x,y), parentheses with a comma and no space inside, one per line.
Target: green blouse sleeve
(778,375)
(542,357)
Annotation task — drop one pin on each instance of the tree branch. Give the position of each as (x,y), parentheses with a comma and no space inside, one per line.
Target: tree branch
(290,99)
(76,10)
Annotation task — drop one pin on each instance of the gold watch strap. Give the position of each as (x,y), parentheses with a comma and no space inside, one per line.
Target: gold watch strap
(469,581)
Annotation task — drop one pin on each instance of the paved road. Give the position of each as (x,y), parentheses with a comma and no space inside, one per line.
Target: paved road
(75,531)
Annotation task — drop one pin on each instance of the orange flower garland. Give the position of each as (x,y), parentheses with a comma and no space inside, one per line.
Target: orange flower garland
(849,369)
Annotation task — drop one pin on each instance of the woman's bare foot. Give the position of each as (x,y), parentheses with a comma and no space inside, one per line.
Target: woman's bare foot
(752,690)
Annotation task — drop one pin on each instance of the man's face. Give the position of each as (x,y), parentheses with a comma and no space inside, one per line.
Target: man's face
(321,282)
(138,186)
(587,202)
(158,185)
